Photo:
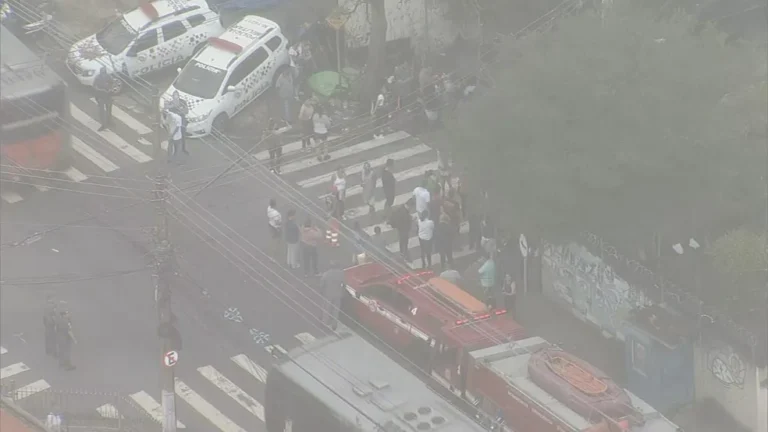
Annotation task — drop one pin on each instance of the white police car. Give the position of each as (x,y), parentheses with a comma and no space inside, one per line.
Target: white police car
(229,73)
(155,35)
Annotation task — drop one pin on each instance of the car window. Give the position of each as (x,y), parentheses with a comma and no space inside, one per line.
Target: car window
(238,74)
(173,30)
(145,41)
(274,43)
(256,59)
(382,293)
(196,20)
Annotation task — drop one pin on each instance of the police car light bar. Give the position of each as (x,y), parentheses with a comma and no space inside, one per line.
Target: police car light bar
(225,45)
(149,10)
(406,278)
(481,317)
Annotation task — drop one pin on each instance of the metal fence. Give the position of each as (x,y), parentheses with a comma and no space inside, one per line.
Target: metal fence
(82,410)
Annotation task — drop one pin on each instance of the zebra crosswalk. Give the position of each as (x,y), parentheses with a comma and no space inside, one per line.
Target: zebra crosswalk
(13,372)
(412,160)
(94,153)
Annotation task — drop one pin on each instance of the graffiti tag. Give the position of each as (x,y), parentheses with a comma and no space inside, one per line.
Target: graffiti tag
(727,366)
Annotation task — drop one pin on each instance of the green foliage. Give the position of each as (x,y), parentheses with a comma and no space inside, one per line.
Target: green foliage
(740,254)
(616,126)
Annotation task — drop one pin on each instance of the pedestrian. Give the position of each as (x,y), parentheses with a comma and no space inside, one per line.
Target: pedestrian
(305,120)
(339,188)
(174,125)
(286,93)
(487,236)
(361,241)
(50,316)
(379,114)
(432,183)
(388,183)
(488,281)
(102,85)
(444,171)
(310,238)
(368,181)
(401,220)
(509,291)
(65,337)
(421,197)
(426,230)
(444,237)
(451,207)
(274,138)
(462,192)
(275,221)
(332,289)
(292,239)
(180,107)
(320,125)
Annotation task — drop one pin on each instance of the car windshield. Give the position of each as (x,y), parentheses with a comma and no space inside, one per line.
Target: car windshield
(200,80)
(116,36)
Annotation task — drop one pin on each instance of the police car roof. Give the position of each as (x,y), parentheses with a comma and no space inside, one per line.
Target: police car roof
(142,15)
(242,34)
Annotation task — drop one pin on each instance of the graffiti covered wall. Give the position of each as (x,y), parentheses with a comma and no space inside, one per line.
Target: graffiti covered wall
(574,277)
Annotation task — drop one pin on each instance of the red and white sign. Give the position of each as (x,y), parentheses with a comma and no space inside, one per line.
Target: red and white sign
(171,358)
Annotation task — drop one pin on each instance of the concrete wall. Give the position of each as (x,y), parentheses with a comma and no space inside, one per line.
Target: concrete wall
(731,379)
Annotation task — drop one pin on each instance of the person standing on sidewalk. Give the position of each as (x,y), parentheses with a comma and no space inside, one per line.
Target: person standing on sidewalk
(339,187)
(488,281)
(320,125)
(401,220)
(421,198)
(368,177)
(332,289)
(174,125)
(311,236)
(388,183)
(286,93)
(444,236)
(275,221)
(292,238)
(305,120)
(509,291)
(426,233)
(180,107)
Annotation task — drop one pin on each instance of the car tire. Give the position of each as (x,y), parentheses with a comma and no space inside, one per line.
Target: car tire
(279,71)
(220,122)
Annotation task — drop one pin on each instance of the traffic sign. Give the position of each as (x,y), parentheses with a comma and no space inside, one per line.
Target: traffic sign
(171,358)
(523,245)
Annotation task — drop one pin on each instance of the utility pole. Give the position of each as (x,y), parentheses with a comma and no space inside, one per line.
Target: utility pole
(164,261)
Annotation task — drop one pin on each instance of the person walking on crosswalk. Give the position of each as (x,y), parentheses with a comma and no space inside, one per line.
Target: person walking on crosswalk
(320,124)
(306,112)
(174,126)
(65,337)
(401,220)
(102,85)
(292,238)
(388,183)
(50,317)
(180,107)
(339,188)
(368,177)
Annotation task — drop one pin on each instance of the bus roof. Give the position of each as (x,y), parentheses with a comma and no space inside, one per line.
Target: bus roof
(458,296)
(22,72)
(367,388)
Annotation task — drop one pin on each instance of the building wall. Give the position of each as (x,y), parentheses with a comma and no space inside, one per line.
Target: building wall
(421,20)
(730,378)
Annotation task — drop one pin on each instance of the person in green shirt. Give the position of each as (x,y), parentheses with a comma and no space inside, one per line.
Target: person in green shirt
(488,281)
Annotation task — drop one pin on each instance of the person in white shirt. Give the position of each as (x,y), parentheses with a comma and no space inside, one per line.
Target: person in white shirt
(422,197)
(275,221)
(340,189)
(321,122)
(426,228)
(174,124)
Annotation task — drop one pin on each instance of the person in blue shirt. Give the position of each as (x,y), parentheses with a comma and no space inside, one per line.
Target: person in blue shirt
(488,280)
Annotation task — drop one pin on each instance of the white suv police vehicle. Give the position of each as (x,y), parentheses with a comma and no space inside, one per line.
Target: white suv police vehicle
(155,35)
(229,73)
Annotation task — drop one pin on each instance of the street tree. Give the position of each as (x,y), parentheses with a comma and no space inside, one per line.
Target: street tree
(741,257)
(618,125)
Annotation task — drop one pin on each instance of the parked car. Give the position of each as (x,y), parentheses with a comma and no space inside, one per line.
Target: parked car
(229,73)
(151,37)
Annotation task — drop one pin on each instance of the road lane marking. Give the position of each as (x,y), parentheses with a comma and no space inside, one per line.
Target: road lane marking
(154,409)
(288,148)
(235,392)
(3,350)
(109,136)
(12,370)
(272,348)
(206,409)
(375,163)
(399,177)
(10,197)
(75,175)
(41,188)
(109,411)
(310,161)
(146,142)
(251,367)
(127,119)
(305,338)
(414,241)
(92,155)
(30,389)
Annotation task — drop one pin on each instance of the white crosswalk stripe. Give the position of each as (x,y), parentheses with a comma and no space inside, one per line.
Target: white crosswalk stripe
(109,411)
(251,367)
(305,338)
(152,407)
(31,389)
(207,410)
(92,155)
(128,120)
(235,392)
(110,136)
(3,350)
(416,160)
(12,370)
